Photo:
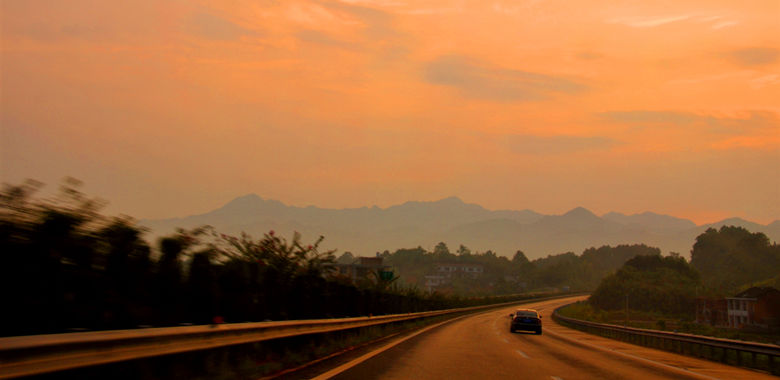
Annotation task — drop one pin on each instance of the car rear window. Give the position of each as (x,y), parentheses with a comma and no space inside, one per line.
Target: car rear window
(523,313)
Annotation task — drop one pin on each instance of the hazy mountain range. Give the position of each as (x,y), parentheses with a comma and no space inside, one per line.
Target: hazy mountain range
(366,230)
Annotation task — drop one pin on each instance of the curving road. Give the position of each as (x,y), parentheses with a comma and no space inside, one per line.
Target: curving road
(481,347)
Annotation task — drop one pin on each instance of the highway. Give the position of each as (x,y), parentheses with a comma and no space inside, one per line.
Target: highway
(480,346)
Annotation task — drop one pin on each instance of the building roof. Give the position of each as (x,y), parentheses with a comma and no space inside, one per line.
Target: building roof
(756,292)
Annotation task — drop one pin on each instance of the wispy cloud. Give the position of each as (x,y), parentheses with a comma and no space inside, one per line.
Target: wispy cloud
(378,23)
(715,22)
(432,11)
(515,7)
(731,125)
(375,3)
(400,7)
(316,37)
(724,24)
(479,80)
(651,117)
(756,56)
(649,22)
(766,80)
(539,145)
(589,55)
(213,27)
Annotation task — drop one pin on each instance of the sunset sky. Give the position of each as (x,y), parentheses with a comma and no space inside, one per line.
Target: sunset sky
(172,108)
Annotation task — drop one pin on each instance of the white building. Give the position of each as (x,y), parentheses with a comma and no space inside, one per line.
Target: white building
(756,307)
(443,273)
(451,270)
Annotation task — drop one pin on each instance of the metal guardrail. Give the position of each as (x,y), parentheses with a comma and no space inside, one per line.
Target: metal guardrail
(746,354)
(39,354)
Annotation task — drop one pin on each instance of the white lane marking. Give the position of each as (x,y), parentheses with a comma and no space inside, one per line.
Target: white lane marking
(522,354)
(555,378)
(671,367)
(348,365)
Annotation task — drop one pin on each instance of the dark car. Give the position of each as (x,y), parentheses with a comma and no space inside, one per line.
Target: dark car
(526,319)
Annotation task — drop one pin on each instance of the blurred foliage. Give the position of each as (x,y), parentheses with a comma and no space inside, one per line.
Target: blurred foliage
(67,267)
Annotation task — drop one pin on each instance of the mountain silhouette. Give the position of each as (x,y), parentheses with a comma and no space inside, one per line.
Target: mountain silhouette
(366,230)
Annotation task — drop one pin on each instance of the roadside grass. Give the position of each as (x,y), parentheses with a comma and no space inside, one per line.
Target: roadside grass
(658,321)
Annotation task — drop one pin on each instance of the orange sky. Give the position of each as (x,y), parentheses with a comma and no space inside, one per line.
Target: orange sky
(170,108)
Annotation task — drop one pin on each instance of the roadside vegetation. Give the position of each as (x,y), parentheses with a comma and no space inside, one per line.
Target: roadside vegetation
(507,276)
(656,292)
(653,320)
(68,267)
(650,283)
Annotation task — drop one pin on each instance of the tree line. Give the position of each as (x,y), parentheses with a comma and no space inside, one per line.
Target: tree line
(67,267)
(502,275)
(723,262)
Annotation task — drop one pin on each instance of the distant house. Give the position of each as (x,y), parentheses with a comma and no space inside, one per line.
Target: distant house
(712,312)
(444,273)
(362,268)
(434,281)
(459,270)
(755,307)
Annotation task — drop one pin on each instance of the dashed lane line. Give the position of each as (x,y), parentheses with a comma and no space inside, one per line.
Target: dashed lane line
(335,371)
(604,349)
(522,354)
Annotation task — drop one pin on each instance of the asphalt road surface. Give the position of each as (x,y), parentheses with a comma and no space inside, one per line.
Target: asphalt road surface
(481,347)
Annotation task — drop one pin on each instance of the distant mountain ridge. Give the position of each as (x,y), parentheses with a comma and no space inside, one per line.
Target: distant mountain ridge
(366,230)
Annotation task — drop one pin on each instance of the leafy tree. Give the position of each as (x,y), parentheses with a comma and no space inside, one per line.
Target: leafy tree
(651,283)
(346,258)
(558,270)
(128,270)
(442,253)
(412,264)
(66,265)
(168,279)
(733,256)
(201,287)
(519,258)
